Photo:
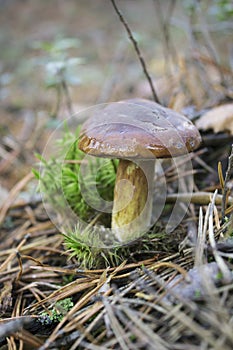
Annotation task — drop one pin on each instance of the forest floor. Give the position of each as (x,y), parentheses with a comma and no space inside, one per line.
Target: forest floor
(173,290)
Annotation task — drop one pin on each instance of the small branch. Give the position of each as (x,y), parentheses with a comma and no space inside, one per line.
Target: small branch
(137,50)
(201,198)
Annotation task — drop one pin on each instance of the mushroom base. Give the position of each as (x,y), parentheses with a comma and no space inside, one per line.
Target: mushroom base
(132,208)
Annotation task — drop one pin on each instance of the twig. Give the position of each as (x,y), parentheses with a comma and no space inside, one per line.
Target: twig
(202,198)
(137,50)
(13,325)
(227,178)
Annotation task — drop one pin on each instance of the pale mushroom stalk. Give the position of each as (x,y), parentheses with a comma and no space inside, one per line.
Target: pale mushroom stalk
(132,207)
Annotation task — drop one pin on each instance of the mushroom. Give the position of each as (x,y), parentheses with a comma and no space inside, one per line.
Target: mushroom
(136,131)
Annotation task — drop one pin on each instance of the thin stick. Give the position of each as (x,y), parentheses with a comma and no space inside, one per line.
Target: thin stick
(201,198)
(137,50)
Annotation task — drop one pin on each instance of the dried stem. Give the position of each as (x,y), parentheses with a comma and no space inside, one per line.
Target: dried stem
(137,50)
(219,260)
(67,97)
(227,178)
(62,89)
(201,239)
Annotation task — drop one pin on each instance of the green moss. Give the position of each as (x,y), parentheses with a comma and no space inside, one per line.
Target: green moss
(57,312)
(61,180)
(77,243)
(197,294)
(219,276)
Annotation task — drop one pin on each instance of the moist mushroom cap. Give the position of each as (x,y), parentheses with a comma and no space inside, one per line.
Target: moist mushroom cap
(138,128)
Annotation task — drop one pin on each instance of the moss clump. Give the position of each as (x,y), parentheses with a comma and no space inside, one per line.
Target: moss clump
(61,180)
(56,313)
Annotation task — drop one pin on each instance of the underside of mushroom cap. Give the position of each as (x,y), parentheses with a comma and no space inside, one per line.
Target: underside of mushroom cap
(137,128)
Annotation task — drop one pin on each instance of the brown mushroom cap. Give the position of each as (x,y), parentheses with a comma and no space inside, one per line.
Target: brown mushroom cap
(138,128)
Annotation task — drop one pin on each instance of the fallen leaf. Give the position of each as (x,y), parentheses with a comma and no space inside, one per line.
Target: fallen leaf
(219,119)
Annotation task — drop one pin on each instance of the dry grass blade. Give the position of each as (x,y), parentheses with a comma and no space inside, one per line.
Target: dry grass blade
(201,239)
(220,175)
(185,319)
(119,332)
(151,338)
(172,265)
(13,194)
(29,339)
(12,255)
(227,275)
(229,210)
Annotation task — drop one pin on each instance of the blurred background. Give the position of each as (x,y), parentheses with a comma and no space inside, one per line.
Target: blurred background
(58,57)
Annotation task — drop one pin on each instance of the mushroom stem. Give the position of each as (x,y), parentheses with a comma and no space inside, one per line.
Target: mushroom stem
(132,205)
